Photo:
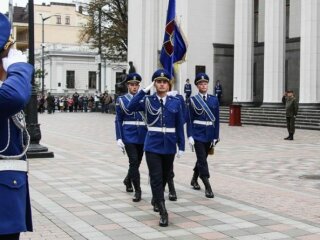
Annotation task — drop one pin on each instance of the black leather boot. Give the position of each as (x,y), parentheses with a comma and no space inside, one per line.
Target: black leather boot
(127,183)
(155,205)
(194,181)
(287,138)
(208,191)
(137,189)
(163,214)
(172,190)
(290,136)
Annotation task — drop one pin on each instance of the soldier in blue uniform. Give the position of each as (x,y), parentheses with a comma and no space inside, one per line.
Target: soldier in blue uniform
(131,131)
(187,89)
(218,90)
(202,130)
(165,133)
(15,90)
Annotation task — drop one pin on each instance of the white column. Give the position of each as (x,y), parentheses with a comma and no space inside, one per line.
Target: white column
(310,52)
(274,51)
(243,51)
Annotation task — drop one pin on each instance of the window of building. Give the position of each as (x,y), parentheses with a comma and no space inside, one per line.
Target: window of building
(92,84)
(200,69)
(287,18)
(256,20)
(67,20)
(58,19)
(70,79)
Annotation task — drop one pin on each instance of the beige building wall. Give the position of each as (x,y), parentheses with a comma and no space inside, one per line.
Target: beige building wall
(63,27)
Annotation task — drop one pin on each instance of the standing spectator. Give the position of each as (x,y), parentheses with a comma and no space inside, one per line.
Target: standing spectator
(291,112)
(85,103)
(218,90)
(50,103)
(165,133)
(41,104)
(15,90)
(96,101)
(187,90)
(131,132)
(70,104)
(202,130)
(91,103)
(75,98)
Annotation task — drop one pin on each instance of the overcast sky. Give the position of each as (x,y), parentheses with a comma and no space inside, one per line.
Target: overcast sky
(4,3)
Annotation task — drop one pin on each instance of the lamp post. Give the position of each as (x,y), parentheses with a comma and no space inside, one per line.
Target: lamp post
(42,53)
(35,149)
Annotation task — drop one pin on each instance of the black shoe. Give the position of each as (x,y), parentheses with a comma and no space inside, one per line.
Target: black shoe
(208,190)
(287,138)
(127,183)
(137,188)
(194,181)
(155,206)
(137,197)
(163,222)
(172,191)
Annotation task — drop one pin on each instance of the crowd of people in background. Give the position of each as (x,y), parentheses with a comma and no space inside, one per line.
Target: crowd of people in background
(76,103)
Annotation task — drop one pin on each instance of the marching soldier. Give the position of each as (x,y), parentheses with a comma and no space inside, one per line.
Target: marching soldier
(202,130)
(165,133)
(131,131)
(15,90)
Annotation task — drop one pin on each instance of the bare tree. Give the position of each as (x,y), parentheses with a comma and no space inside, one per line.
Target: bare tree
(107,28)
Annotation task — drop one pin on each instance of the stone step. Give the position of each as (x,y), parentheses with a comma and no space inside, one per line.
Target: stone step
(274,117)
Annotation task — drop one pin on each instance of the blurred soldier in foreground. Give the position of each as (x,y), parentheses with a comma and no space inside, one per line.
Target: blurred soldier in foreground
(165,121)
(131,131)
(15,90)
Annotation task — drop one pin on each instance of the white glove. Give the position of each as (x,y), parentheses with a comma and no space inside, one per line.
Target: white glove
(215,141)
(191,141)
(147,89)
(180,153)
(14,56)
(172,93)
(120,143)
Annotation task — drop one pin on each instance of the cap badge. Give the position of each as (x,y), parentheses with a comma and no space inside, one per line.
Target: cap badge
(162,74)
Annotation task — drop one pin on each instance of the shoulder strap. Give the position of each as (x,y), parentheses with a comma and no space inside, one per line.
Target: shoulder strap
(205,107)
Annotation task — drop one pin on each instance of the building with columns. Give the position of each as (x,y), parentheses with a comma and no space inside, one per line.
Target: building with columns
(256,48)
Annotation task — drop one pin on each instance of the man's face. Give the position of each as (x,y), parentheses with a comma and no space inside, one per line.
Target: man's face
(133,87)
(161,85)
(202,86)
(289,94)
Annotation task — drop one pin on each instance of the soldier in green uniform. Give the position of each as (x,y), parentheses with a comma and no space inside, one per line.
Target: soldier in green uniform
(291,112)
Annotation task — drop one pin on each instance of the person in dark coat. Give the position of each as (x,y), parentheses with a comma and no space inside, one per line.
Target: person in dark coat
(15,91)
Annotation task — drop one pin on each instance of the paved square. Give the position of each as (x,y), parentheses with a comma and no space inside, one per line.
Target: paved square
(256,177)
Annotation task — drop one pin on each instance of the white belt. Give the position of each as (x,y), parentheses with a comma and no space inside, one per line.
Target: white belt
(162,129)
(206,123)
(138,123)
(13,165)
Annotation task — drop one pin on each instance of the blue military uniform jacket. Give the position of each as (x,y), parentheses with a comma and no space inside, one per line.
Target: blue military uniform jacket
(130,126)
(15,209)
(199,125)
(162,140)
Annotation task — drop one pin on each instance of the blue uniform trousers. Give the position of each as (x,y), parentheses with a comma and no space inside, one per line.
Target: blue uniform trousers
(201,167)
(14,236)
(135,153)
(160,166)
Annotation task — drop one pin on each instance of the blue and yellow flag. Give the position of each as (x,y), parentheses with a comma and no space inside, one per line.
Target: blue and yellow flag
(174,47)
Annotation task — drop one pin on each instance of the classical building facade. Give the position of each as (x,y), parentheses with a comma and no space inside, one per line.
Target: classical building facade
(69,65)
(256,48)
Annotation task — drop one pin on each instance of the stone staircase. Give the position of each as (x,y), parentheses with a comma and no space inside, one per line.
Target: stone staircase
(274,117)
